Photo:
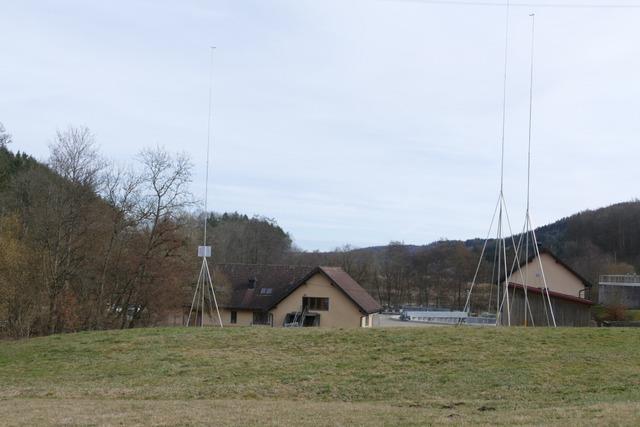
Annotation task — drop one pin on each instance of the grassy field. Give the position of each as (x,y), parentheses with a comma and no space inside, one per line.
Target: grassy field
(251,376)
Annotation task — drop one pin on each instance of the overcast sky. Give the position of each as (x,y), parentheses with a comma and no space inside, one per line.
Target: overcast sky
(348,121)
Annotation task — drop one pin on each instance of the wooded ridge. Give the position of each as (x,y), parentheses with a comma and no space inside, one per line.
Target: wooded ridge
(86,244)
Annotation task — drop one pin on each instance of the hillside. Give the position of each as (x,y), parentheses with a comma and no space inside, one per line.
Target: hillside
(87,245)
(593,242)
(11,164)
(598,241)
(84,246)
(611,232)
(263,376)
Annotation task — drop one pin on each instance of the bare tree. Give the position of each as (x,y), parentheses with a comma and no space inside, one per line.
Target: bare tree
(394,275)
(60,211)
(357,263)
(75,157)
(164,195)
(5,138)
(256,240)
(121,191)
(166,178)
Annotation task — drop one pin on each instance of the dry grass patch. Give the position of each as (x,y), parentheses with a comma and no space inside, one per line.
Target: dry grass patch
(434,374)
(29,412)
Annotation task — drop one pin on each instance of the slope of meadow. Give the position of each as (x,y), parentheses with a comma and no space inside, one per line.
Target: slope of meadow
(323,377)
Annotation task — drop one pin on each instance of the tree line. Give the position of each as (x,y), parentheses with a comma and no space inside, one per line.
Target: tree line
(89,244)
(436,275)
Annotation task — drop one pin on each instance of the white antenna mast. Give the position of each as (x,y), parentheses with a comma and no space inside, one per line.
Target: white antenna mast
(204,291)
(528,225)
(500,264)
(502,301)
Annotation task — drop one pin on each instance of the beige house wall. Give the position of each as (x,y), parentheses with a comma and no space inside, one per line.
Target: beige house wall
(342,311)
(179,318)
(243,317)
(559,279)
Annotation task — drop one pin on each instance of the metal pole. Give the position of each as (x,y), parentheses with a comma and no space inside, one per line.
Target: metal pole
(467,305)
(527,222)
(204,265)
(544,278)
(504,95)
(193,302)
(213,293)
(206,180)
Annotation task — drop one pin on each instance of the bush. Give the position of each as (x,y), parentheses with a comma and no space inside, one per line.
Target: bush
(615,312)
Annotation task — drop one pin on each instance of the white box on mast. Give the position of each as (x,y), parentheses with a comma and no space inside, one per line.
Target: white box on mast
(204,251)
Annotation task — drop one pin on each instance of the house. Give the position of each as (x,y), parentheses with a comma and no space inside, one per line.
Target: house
(568,292)
(282,295)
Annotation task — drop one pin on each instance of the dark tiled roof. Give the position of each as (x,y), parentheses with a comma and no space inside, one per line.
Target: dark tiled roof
(273,283)
(234,279)
(354,291)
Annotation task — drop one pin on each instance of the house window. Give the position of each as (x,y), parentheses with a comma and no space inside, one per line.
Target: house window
(315,304)
(266,291)
(234,317)
(261,318)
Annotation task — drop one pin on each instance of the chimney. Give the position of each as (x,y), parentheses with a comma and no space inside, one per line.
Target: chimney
(252,283)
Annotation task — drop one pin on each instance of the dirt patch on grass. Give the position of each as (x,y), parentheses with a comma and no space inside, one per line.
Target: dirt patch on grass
(28,412)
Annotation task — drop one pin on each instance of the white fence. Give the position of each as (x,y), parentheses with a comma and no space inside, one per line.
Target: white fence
(620,279)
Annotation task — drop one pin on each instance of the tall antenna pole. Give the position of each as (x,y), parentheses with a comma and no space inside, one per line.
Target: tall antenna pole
(533,30)
(500,240)
(504,96)
(204,291)
(526,219)
(206,180)
(528,223)
(500,255)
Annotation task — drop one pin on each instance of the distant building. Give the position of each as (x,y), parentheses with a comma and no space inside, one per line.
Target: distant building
(434,316)
(569,293)
(619,290)
(282,295)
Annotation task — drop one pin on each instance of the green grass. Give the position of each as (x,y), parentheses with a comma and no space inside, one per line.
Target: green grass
(392,376)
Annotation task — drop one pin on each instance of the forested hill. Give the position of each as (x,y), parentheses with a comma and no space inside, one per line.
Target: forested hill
(11,164)
(85,245)
(594,242)
(605,240)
